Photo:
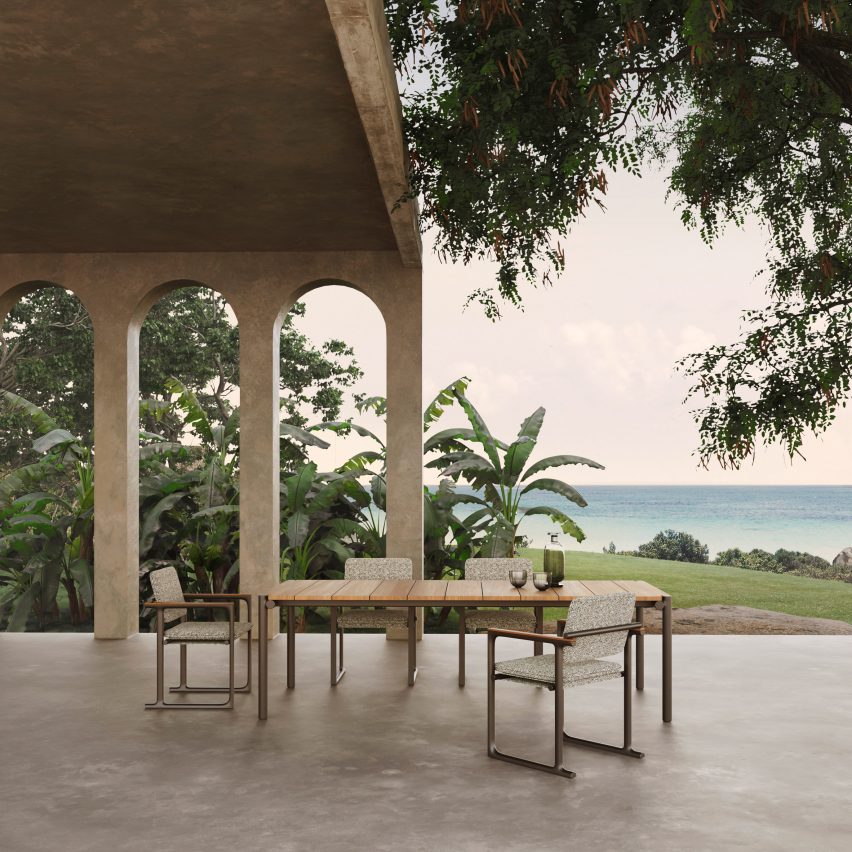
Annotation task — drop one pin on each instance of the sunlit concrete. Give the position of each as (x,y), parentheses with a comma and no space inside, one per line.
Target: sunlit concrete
(756,759)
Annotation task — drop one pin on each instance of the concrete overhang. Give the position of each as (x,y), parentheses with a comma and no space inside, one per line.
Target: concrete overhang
(200,125)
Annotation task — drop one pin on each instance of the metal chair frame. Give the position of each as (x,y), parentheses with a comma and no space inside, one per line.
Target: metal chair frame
(201,601)
(558,687)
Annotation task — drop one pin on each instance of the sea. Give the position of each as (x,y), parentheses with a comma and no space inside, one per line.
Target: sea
(815,519)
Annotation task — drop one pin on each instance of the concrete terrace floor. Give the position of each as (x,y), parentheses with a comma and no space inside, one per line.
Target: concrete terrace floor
(757,758)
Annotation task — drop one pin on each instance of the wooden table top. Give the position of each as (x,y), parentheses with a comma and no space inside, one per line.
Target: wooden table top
(452,592)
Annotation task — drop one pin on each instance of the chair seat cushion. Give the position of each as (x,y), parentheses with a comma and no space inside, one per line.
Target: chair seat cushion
(508,619)
(538,670)
(373,618)
(205,631)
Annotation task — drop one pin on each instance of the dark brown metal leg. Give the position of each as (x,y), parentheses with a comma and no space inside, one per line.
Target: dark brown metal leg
(182,668)
(462,644)
(291,647)
(493,751)
(640,651)
(625,749)
(538,647)
(667,659)
(262,656)
(336,673)
(412,645)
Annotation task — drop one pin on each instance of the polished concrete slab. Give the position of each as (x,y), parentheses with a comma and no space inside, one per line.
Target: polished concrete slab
(757,757)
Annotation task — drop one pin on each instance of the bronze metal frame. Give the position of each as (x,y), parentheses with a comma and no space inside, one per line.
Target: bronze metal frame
(201,601)
(538,649)
(560,737)
(265,604)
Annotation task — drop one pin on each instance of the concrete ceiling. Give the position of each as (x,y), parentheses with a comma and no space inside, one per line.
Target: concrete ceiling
(200,125)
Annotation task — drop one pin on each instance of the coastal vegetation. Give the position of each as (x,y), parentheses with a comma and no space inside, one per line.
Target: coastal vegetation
(694,585)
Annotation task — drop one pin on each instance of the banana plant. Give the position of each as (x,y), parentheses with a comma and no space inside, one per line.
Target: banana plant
(46,538)
(500,474)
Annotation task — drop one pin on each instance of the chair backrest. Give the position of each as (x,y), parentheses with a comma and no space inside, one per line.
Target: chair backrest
(165,585)
(599,611)
(495,569)
(395,568)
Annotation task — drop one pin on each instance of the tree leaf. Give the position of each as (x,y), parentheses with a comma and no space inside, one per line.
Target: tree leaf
(559,461)
(444,398)
(557,487)
(566,524)
(42,421)
(84,577)
(303,436)
(480,429)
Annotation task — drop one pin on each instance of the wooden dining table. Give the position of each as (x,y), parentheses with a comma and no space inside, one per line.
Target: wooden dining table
(459,594)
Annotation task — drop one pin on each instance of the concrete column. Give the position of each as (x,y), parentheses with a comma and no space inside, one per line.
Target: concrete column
(116,344)
(259,452)
(402,309)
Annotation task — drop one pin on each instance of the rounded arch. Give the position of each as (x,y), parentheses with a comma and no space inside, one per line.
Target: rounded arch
(9,298)
(319,283)
(158,292)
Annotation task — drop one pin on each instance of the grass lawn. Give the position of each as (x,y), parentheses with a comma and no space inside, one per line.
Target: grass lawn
(698,585)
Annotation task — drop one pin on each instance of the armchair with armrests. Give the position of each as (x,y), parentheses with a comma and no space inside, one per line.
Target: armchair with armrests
(172,606)
(597,626)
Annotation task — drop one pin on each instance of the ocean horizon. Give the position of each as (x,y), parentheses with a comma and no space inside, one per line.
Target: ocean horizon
(812,518)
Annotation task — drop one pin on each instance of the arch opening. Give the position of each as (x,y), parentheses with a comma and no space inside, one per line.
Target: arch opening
(46,460)
(333,438)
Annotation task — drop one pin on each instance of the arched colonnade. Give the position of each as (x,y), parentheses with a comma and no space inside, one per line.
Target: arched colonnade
(118,290)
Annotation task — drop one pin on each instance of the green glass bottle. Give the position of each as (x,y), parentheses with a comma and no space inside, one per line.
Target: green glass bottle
(554,560)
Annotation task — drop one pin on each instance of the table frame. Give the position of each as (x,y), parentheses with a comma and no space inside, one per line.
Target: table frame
(458,597)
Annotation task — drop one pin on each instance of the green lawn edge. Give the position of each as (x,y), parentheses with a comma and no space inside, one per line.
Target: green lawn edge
(692,584)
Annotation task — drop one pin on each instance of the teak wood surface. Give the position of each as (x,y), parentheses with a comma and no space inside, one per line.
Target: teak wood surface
(452,592)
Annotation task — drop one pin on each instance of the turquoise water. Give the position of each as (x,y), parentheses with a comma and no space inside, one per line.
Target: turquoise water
(816,519)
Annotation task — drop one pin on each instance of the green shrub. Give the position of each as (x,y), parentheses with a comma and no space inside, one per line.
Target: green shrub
(733,556)
(677,546)
(761,560)
(793,560)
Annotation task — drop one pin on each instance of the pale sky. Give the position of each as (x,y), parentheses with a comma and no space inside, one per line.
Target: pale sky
(597,349)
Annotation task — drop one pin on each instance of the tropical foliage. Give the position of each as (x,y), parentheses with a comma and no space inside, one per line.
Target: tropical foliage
(500,475)
(675,546)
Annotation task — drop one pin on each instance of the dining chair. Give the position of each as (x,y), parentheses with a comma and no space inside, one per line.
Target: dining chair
(597,626)
(390,568)
(471,619)
(172,606)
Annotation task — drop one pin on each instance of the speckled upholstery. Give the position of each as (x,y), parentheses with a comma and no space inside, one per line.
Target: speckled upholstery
(599,611)
(495,569)
(507,619)
(165,584)
(538,670)
(373,618)
(391,568)
(205,631)
(582,663)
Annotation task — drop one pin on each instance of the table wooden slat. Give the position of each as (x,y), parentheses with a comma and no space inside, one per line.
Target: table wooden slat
(392,590)
(500,590)
(321,588)
(571,589)
(644,591)
(356,590)
(530,593)
(288,590)
(601,587)
(428,590)
(462,590)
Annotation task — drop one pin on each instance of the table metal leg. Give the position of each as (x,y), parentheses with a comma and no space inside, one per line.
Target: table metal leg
(412,645)
(337,670)
(462,644)
(538,647)
(291,647)
(262,656)
(667,659)
(640,651)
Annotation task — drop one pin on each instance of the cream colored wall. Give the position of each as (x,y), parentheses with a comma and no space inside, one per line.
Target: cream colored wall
(119,289)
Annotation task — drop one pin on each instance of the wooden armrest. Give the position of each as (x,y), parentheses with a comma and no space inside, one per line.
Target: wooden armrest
(228,605)
(531,637)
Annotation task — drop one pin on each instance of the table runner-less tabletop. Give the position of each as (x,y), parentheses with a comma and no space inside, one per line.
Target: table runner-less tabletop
(412,594)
